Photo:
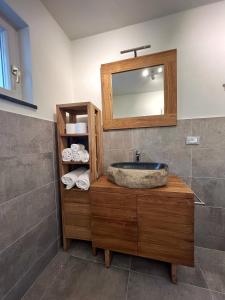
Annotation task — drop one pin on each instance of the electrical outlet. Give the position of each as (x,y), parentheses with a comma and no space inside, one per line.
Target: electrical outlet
(192,140)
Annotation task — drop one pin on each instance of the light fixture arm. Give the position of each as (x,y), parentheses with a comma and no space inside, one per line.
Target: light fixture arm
(135,50)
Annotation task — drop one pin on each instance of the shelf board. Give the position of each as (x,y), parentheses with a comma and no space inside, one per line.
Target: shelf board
(76,189)
(73,135)
(74,163)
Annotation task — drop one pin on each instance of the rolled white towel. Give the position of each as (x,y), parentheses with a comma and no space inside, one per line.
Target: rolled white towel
(83,181)
(67,154)
(84,155)
(75,155)
(71,178)
(81,155)
(77,147)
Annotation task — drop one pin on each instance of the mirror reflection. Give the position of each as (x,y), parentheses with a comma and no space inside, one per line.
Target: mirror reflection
(138,92)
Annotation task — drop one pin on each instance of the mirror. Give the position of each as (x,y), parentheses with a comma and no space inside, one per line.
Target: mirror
(140,92)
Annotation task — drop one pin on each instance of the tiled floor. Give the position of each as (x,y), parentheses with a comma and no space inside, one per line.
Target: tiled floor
(78,275)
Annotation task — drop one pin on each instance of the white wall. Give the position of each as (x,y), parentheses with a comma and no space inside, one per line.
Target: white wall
(197,34)
(140,104)
(51,61)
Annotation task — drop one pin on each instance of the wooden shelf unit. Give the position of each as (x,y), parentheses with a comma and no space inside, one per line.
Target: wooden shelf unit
(75,203)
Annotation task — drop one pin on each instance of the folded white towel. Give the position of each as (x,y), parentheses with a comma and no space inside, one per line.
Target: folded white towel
(67,154)
(81,155)
(83,181)
(71,178)
(77,147)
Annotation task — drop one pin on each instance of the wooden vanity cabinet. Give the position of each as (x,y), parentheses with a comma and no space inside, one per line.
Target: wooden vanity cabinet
(153,223)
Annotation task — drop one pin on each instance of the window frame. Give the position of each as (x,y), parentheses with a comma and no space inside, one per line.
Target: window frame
(19,56)
(12,41)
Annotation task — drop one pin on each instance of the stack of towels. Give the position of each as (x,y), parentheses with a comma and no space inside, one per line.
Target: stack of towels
(79,177)
(76,152)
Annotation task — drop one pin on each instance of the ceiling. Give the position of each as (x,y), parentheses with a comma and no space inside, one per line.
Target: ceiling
(81,18)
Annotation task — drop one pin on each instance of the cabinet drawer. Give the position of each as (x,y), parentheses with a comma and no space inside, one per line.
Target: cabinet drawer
(171,209)
(77,232)
(76,196)
(168,254)
(77,220)
(114,235)
(114,206)
(77,208)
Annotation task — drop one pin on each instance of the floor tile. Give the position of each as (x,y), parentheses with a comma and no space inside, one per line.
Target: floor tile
(85,280)
(146,287)
(83,249)
(185,274)
(46,278)
(149,266)
(122,261)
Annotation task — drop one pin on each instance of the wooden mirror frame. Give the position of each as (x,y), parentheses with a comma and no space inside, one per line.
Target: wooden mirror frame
(166,58)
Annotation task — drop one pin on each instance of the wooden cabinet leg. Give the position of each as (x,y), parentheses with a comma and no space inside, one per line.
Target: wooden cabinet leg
(174,273)
(94,251)
(108,257)
(66,244)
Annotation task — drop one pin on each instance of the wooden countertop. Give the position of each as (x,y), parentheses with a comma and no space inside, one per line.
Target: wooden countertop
(176,187)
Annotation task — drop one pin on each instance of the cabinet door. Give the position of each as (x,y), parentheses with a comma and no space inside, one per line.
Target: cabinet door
(166,229)
(114,221)
(76,215)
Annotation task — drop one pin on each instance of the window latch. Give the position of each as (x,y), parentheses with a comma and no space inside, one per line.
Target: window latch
(16,72)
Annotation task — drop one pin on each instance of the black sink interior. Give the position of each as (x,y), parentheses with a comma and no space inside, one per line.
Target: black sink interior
(140,165)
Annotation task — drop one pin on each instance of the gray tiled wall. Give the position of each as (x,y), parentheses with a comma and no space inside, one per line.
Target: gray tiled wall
(28,201)
(201,166)
(29,198)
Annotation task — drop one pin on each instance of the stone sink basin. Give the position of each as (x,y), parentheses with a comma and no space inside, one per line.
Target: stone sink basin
(138,174)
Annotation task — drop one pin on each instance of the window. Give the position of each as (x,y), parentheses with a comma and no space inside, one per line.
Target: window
(5,81)
(15,58)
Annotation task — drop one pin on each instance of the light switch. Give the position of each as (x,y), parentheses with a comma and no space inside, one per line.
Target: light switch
(192,140)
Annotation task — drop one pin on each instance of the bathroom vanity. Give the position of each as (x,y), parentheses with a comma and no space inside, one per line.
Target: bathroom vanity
(153,223)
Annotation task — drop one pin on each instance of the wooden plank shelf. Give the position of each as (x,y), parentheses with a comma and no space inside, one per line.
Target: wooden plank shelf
(73,135)
(75,189)
(74,163)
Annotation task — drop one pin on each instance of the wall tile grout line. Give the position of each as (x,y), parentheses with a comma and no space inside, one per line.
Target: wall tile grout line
(210,249)
(25,194)
(31,229)
(4,297)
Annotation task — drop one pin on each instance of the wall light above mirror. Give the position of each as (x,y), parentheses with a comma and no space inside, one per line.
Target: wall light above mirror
(140,92)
